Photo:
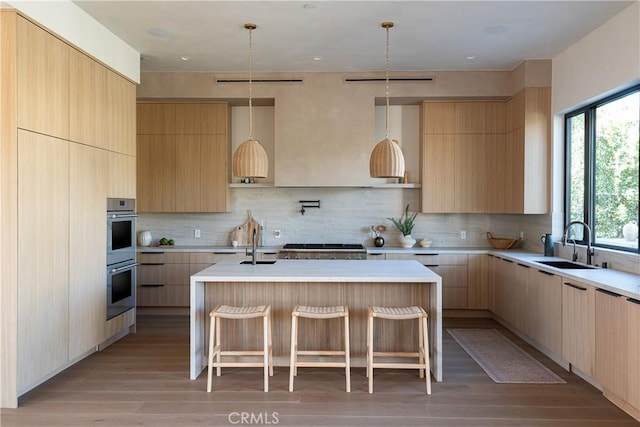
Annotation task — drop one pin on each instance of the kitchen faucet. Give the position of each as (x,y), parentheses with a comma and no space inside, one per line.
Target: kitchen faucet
(589,249)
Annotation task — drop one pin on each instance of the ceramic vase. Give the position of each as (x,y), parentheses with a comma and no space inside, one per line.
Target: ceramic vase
(407,241)
(144,238)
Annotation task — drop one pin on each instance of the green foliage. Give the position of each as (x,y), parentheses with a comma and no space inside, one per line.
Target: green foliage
(406,222)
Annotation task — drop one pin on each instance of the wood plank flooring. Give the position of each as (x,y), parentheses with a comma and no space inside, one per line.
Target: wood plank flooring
(142,380)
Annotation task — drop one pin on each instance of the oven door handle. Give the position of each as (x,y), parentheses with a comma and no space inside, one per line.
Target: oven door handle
(126,267)
(117,216)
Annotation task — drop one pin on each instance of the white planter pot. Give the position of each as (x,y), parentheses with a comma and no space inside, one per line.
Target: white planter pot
(407,241)
(144,238)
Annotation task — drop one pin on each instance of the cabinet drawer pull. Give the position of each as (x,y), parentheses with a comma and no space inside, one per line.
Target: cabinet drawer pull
(633,301)
(271,253)
(507,260)
(426,254)
(152,286)
(580,288)
(152,263)
(431,265)
(546,272)
(604,291)
(522,265)
(224,253)
(152,253)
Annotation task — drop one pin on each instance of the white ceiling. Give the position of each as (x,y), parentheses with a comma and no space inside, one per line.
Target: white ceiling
(428,35)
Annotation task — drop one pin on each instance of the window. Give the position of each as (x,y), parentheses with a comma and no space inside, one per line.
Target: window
(602,170)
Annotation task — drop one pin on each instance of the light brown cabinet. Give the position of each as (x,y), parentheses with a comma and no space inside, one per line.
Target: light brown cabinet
(87,279)
(479,292)
(509,292)
(43,83)
(579,325)
(612,347)
(164,278)
(453,268)
(43,257)
(486,157)
(633,364)
(543,320)
(182,157)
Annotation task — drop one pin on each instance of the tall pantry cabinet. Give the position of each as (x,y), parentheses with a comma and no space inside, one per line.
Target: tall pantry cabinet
(67,143)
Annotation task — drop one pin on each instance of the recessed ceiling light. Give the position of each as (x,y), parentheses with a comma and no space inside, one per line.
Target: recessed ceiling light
(185,58)
(159,32)
(309,6)
(317,58)
(496,29)
(470,57)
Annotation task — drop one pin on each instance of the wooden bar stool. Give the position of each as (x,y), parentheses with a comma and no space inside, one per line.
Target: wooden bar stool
(319,313)
(399,313)
(235,313)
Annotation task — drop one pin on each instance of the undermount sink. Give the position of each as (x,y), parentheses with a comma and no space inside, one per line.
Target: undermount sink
(566,265)
(271,261)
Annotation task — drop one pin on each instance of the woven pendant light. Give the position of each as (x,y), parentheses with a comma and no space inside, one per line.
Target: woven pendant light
(387,160)
(250,160)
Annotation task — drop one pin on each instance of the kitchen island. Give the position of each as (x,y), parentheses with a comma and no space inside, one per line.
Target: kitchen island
(317,282)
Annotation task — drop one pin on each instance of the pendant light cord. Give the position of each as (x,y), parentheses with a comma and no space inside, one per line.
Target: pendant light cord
(387,25)
(250,27)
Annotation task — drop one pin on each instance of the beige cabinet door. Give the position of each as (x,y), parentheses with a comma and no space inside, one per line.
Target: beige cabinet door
(633,364)
(438,173)
(578,325)
(87,242)
(120,114)
(612,349)
(43,81)
(470,184)
(544,320)
(156,173)
(155,119)
(43,256)
(509,292)
(478,282)
(122,176)
(87,100)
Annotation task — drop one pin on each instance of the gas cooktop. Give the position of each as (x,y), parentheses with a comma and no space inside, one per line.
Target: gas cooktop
(351,247)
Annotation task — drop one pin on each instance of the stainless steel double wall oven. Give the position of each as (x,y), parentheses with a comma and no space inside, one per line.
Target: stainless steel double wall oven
(121,256)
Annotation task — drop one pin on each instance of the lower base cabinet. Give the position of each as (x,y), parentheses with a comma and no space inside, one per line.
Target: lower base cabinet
(164,277)
(633,324)
(612,343)
(579,325)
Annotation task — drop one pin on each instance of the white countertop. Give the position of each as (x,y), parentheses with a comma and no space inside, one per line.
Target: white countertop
(319,271)
(615,281)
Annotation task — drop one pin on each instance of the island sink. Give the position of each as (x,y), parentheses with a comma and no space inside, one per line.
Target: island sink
(271,261)
(566,265)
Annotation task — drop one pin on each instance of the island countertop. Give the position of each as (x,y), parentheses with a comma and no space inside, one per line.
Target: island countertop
(284,270)
(355,283)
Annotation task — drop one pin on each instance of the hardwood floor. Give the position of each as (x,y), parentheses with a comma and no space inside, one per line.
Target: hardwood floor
(143,380)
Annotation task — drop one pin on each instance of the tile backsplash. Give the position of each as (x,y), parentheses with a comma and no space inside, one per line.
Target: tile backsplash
(346,215)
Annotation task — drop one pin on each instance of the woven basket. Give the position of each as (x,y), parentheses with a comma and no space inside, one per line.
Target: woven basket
(498,243)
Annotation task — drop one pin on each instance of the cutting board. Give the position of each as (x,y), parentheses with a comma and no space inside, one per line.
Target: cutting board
(244,233)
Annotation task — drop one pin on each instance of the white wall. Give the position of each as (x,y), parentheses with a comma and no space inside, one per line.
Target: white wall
(606,60)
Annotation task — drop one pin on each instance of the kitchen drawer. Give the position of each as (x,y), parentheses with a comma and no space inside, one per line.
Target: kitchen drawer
(433,258)
(163,257)
(163,274)
(214,257)
(163,296)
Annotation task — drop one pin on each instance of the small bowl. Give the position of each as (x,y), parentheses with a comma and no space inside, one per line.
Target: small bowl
(425,243)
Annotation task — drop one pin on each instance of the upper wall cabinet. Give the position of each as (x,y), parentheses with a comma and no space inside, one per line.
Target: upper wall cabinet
(43,83)
(182,157)
(486,157)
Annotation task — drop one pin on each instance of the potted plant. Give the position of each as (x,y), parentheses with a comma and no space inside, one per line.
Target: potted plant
(405,225)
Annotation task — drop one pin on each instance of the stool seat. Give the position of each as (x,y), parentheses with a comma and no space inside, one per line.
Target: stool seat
(320,312)
(215,348)
(399,313)
(313,312)
(231,312)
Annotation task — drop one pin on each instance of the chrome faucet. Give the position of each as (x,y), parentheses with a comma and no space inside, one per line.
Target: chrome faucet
(589,248)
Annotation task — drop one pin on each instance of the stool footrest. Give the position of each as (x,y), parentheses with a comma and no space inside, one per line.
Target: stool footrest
(398,365)
(238,364)
(396,354)
(321,352)
(309,364)
(242,353)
